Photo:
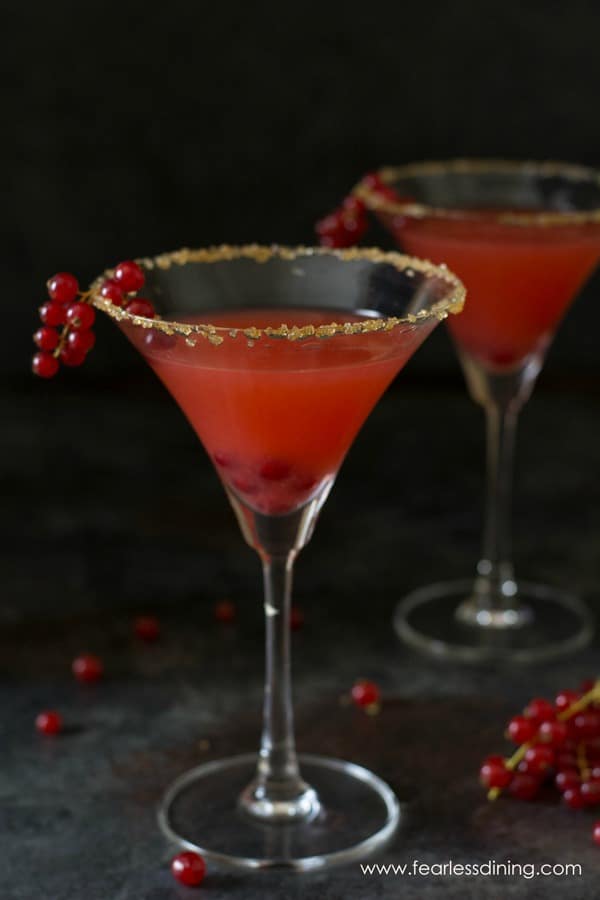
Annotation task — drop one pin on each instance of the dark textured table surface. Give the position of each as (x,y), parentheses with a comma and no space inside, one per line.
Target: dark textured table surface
(111,509)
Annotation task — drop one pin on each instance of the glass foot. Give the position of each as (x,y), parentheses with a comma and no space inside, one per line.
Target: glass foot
(440,621)
(358,814)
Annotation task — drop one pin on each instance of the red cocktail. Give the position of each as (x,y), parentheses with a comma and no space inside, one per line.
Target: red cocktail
(523,237)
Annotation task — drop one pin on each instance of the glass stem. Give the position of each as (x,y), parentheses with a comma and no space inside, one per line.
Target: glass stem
(495,583)
(278,793)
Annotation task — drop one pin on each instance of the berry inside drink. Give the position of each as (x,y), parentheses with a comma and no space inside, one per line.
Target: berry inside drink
(277,416)
(520,278)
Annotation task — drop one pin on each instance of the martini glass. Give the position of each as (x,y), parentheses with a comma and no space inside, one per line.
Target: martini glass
(277,356)
(523,237)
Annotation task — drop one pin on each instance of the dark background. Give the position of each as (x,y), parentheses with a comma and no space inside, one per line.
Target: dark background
(135,128)
(130,129)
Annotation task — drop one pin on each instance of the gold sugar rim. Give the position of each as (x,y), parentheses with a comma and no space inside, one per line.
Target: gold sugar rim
(453,303)
(417,210)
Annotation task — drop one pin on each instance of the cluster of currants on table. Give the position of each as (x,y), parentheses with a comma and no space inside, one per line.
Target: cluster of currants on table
(558,747)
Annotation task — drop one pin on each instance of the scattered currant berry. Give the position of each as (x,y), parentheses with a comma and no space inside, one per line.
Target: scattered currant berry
(81,341)
(63,287)
(112,290)
(45,365)
(296,618)
(147,628)
(188,868)
(81,316)
(46,338)
(225,611)
(274,470)
(70,356)
(565,699)
(573,798)
(88,668)
(540,710)
(520,730)
(524,786)
(596,833)
(53,314)
(365,693)
(539,758)
(567,780)
(140,307)
(566,760)
(49,722)
(553,732)
(494,774)
(129,276)
(587,685)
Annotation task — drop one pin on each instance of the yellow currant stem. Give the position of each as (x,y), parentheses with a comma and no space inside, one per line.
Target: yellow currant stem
(582,762)
(584,701)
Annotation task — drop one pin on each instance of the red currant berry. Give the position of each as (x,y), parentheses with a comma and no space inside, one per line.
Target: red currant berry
(573,798)
(520,730)
(46,338)
(524,786)
(129,276)
(555,733)
(62,287)
(296,618)
(587,685)
(225,611)
(565,699)
(223,460)
(539,758)
(275,470)
(53,314)
(331,230)
(81,316)
(354,228)
(585,725)
(111,290)
(88,667)
(49,722)
(140,307)
(494,774)
(158,340)
(188,868)
(590,791)
(566,780)
(45,365)
(147,628)
(354,206)
(373,181)
(540,710)
(72,357)
(81,341)
(566,760)
(365,693)
(596,833)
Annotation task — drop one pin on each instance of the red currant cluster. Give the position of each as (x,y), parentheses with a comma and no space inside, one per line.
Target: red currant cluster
(559,745)
(71,311)
(346,225)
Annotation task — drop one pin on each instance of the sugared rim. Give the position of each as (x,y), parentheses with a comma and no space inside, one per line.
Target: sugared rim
(453,303)
(570,171)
